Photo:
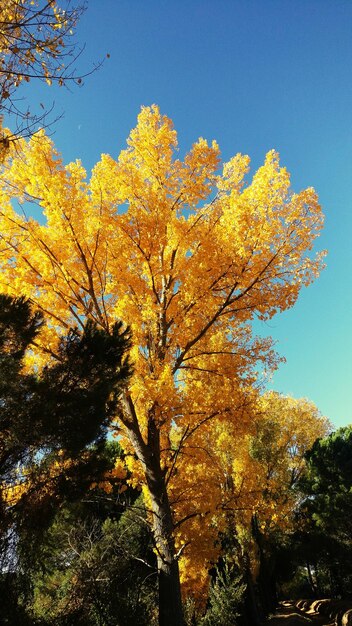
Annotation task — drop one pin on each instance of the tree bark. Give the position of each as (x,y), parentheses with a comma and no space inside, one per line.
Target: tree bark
(148,453)
(266,578)
(311,580)
(170,601)
(251,604)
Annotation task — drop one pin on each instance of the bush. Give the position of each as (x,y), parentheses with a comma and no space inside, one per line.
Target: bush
(226,598)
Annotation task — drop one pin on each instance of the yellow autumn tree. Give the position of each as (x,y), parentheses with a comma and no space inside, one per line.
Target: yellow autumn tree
(258,477)
(269,459)
(187,254)
(251,469)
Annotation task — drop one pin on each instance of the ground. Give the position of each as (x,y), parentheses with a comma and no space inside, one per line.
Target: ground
(289,615)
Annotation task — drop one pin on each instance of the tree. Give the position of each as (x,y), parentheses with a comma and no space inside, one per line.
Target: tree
(328,481)
(36,42)
(285,430)
(326,512)
(94,564)
(188,257)
(283,437)
(225,597)
(259,478)
(93,578)
(49,420)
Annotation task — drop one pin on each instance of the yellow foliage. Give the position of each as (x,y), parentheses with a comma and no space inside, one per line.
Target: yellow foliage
(186,256)
(265,464)
(113,477)
(21,484)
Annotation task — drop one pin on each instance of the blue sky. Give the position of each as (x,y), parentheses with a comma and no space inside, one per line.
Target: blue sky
(254,75)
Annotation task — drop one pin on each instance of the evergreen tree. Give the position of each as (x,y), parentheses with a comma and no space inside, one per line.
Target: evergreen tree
(52,422)
(327,510)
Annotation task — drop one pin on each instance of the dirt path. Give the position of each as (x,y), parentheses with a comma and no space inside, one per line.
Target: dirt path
(289,615)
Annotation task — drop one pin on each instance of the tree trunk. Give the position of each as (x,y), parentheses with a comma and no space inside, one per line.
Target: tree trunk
(311,581)
(266,578)
(170,602)
(148,452)
(251,605)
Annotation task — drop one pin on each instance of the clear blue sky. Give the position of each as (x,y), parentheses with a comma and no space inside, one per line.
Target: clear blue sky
(254,75)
